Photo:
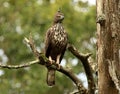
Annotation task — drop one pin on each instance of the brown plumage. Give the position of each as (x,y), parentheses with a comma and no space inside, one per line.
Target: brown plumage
(55,45)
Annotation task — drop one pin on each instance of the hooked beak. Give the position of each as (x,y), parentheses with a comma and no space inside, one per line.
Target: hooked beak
(61,17)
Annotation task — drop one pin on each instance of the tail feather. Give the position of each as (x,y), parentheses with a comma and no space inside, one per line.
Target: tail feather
(51,77)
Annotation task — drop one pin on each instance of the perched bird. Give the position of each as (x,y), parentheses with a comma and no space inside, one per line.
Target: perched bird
(55,45)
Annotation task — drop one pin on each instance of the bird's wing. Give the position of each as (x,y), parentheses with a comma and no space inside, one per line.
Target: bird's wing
(64,49)
(48,42)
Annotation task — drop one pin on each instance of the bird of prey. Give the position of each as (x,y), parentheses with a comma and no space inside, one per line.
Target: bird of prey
(55,45)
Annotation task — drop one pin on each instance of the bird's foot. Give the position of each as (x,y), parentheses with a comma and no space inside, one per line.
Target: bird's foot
(58,66)
(50,61)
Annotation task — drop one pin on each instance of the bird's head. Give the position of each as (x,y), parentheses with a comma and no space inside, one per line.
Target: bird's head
(58,17)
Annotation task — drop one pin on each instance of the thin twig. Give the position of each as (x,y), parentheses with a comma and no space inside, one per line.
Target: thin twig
(32,45)
(19,66)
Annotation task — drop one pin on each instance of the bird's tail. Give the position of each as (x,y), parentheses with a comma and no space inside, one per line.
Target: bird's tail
(51,77)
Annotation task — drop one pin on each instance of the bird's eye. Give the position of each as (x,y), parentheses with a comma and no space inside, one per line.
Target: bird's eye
(58,15)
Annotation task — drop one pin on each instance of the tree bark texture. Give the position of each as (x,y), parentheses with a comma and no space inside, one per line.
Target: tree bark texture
(108,44)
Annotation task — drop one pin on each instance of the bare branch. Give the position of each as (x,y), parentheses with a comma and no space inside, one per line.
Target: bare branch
(70,74)
(43,60)
(67,72)
(19,66)
(87,67)
(32,45)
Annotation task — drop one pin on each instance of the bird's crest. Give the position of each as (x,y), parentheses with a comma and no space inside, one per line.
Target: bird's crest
(59,10)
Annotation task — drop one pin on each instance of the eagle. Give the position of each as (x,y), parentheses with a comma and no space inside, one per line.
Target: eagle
(56,40)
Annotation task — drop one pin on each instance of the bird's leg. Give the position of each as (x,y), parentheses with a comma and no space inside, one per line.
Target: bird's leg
(50,59)
(58,61)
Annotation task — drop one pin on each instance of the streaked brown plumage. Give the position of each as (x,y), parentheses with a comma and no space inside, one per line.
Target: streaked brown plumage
(55,45)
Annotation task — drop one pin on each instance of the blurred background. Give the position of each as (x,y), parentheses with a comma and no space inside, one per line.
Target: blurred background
(19,18)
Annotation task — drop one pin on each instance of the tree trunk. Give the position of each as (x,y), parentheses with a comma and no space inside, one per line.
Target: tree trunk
(108,43)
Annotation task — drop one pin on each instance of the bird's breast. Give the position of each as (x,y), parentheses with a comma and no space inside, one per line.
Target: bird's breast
(59,36)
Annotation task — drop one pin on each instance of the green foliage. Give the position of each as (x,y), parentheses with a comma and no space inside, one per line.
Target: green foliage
(19,18)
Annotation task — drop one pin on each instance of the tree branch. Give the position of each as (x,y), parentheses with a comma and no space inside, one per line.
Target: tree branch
(72,76)
(30,42)
(43,60)
(19,66)
(87,67)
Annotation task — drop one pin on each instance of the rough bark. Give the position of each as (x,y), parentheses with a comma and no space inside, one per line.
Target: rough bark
(108,33)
